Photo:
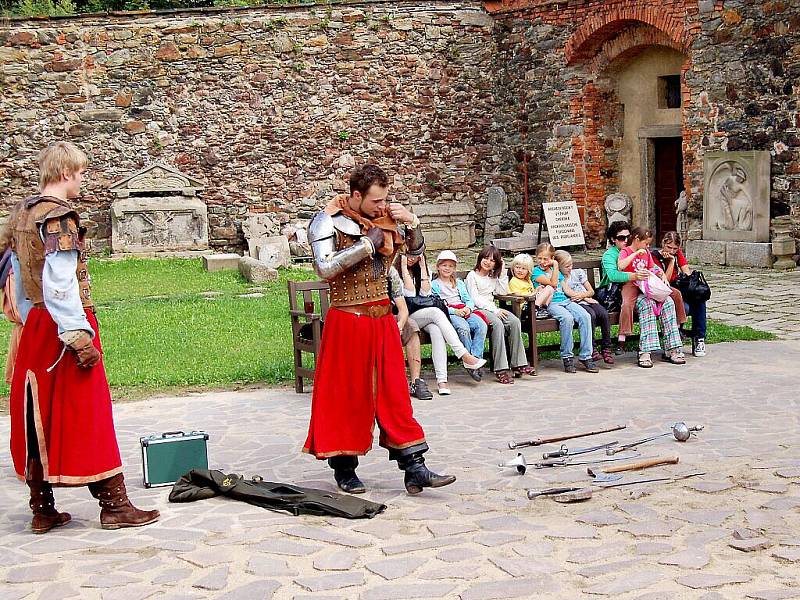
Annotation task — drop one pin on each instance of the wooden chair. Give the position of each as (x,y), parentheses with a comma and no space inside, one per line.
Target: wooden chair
(308,305)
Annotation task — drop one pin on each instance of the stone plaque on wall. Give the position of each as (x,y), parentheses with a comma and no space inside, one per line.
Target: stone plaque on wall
(156,210)
(736,196)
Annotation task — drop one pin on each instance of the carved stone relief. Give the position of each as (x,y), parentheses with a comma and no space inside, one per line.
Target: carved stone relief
(157,211)
(736,196)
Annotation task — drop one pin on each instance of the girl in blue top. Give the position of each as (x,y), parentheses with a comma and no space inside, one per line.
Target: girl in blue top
(470,327)
(566,312)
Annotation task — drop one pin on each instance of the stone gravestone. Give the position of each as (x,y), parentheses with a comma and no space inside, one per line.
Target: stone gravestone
(735,210)
(496,206)
(264,241)
(157,211)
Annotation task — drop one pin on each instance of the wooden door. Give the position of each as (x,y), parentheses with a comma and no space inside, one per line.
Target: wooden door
(668,183)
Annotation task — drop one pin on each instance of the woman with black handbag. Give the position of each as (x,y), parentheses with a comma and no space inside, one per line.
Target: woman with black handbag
(430,313)
(692,285)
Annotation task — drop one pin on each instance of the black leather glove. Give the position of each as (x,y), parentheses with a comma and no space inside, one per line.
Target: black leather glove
(375,235)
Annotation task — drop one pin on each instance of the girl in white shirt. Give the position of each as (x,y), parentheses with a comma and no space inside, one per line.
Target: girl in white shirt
(488,278)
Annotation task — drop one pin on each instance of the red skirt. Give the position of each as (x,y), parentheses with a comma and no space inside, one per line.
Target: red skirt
(360,377)
(71,408)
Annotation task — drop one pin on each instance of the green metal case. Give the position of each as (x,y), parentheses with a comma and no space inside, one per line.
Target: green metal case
(169,456)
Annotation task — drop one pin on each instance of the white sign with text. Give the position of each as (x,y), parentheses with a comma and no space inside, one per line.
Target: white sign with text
(563,223)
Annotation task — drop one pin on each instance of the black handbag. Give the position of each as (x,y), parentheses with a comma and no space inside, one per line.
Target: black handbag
(694,287)
(610,296)
(416,303)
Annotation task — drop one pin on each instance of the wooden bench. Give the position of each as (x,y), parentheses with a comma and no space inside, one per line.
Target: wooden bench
(517,303)
(308,305)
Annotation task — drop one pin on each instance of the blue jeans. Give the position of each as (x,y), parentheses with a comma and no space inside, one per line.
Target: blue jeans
(471,332)
(567,314)
(697,310)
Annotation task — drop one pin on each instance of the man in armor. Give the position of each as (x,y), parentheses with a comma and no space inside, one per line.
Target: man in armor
(62,429)
(360,373)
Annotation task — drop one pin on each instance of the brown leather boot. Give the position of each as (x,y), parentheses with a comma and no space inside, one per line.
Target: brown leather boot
(116,509)
(43,505)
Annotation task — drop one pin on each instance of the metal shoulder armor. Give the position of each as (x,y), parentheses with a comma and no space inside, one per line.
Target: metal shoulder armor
(328,262)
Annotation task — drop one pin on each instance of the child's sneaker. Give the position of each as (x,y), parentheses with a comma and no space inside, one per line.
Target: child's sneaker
(589,365)
(541,313)
(569,365)
(698,346)
(419,389)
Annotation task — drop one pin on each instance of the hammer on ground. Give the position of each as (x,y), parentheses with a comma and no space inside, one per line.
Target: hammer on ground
(606,474)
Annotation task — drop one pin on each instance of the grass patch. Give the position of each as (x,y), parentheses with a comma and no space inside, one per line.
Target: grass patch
(163,329)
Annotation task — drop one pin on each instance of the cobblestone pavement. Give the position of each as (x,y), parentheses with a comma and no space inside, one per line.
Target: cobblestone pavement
(761,298)
(480,538)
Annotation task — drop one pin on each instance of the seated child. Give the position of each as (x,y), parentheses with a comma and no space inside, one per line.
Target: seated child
(579,290)
(522,285)
(566,312)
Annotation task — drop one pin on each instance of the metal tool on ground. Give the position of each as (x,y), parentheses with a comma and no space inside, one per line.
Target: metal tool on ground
(566,495)
(564,451)
(512,445)
(680,431)
(521,465)
(610,473)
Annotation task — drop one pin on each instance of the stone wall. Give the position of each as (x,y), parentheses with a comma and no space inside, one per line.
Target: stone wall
(269,107)
(738,85)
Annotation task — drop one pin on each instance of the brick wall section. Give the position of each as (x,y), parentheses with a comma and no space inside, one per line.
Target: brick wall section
(270,107)
(738,87)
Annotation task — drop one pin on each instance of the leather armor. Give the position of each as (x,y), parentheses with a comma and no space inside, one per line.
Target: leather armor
(39,226)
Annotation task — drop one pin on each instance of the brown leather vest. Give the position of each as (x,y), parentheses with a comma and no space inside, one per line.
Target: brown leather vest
(63,232)
(366,282)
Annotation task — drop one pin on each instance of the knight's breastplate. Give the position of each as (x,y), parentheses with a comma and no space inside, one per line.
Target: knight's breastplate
(366,282)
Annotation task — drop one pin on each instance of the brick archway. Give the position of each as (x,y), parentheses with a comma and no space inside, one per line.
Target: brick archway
(627,25)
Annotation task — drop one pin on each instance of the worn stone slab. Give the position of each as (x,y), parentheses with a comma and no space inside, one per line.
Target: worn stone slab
(789,473)
(650,548)
(651,528)
(455,555)
(328,536)
(108,580)
(214,580)
(447,573)
(625,583)
(637,510)
(171,576)
(402,592)
(395,568)
(710,487)
(266,566)
(207,558)
(286,547)
(705,517)
(221,262)
(787,554)
(129,592)
(607,568)
(745,534)
(783,503)
(32,573)
(255,590)
(691,558)
(423,545)
(496,538)
(338,560)
(751,544)
(254,271)
(508,588)
(572,532)
(56,591)
(698,581)
(446,529)
(331,581)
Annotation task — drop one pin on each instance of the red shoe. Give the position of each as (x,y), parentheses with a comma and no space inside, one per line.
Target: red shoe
(608,356)
(595,355)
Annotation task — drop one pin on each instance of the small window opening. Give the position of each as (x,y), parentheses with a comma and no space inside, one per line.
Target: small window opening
(669,91)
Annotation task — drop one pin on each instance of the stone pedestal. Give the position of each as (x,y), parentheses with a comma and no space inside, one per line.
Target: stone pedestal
(156,211)
(220,262)
(447,226)
(274,251)
(784,246)
(707,252)
(256,271)
(748,254)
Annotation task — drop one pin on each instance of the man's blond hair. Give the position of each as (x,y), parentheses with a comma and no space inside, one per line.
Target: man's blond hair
(57,158)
